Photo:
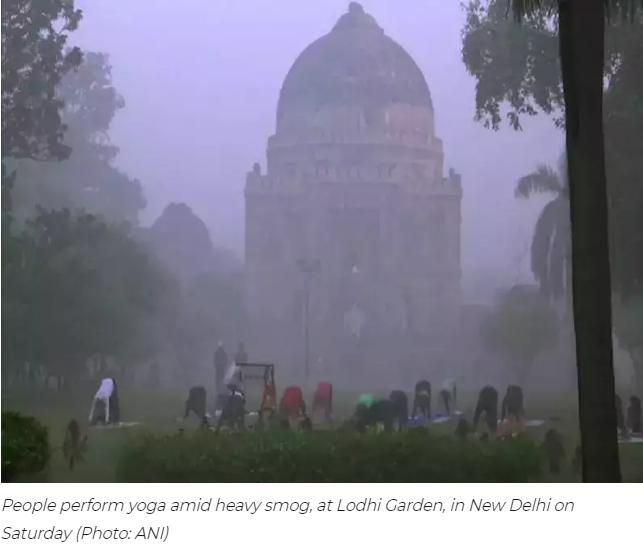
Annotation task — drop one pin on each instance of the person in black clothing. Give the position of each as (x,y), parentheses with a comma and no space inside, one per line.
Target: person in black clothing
(196,403)
(400,408)
(234,411)
(379,412)
(513,404)
(114,405)
(488,406)
(422,399)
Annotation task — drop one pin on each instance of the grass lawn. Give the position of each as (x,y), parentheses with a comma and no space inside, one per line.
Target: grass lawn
(159,412)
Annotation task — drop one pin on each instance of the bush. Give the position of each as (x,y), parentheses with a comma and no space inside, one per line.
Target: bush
(326,456)
(25,447)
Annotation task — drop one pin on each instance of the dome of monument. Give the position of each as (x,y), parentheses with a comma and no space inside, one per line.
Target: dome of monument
(355,66)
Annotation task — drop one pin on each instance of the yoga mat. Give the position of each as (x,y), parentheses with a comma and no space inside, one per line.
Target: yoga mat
(123,425)
(535,423)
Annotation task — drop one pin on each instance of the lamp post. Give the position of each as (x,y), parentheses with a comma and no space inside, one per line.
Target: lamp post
(307,268)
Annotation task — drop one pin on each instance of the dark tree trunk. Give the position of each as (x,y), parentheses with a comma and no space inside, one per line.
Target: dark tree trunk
(581,31)
(637,364)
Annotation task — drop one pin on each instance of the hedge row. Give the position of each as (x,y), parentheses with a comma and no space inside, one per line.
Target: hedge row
(25,446)
(326,456)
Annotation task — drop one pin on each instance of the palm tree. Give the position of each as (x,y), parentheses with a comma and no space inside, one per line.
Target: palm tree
(581,31)
(550,244)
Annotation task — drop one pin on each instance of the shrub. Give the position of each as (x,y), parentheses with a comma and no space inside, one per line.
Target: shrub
(25,447)
(326,456)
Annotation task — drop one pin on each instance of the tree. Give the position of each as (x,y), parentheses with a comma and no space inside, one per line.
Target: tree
(75,287)
(211,306)
(623,103)
(88,179)
(581,28)
(519,328)
(33,62)
(550,246)
(182,242)
(25,446)
(518,67)
(515,66)
(581,33)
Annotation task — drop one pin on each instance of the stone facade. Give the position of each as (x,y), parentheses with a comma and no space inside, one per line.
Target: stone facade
(353,230)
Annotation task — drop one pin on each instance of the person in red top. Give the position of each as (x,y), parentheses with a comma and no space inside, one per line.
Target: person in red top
(292,404)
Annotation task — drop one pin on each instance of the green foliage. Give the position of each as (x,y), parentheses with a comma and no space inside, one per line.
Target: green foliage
(512,64)
(211,305)
(88,179)
(517,69)
(74,286)
(551,242)
(326,456)
(614,9)
(33,62)
(521,326)
(181,240)
(543,180)
(91,101)
(25,447)
(623,122)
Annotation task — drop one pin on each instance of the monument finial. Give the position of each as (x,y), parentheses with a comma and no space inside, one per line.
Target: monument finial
(355,8)
(356,17)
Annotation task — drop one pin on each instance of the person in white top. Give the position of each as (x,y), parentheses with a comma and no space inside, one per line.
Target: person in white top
(233,411)
(233,379)
(106,395)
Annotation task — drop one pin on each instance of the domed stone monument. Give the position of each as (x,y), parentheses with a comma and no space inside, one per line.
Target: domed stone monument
(353,231)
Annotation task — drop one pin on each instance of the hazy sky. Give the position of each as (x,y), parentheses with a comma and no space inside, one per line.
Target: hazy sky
(201,80)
